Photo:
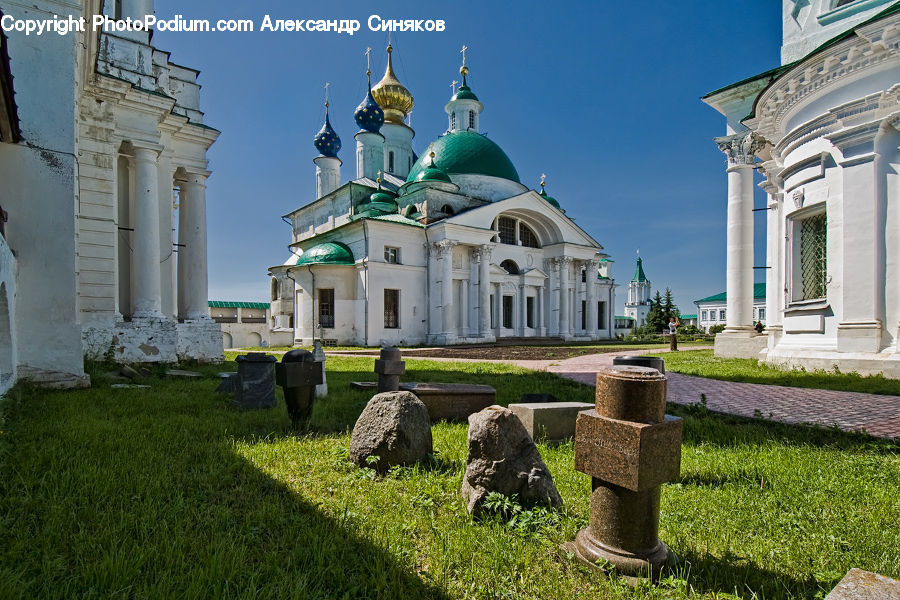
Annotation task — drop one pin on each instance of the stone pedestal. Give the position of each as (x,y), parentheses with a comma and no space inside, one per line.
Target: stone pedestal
(389,368)
(629,446)
(549,421)
(199,340)
(740,344)
(298,374)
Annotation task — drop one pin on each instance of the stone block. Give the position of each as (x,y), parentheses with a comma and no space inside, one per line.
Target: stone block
(298,374)
(635,456)
(453,401)
(865,585)
(549,421)
(390,367)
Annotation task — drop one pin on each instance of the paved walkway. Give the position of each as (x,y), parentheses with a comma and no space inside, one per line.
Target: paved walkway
(852,411)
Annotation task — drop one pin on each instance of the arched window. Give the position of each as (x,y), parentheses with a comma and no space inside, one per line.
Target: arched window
(471,119)
(528,237)
(448,210)
(391,161)
(510,267)
(452,120)
(507,228)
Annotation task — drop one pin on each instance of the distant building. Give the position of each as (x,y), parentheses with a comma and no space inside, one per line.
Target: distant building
(624,325)
(637,304)
(248,324)
(688,320)
(713,310)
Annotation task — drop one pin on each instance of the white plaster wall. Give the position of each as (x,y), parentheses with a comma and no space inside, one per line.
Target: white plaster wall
(808,24)
(8,359)
(39,194)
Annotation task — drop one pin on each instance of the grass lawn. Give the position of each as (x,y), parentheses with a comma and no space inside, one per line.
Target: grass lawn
(169,493)
(704,364)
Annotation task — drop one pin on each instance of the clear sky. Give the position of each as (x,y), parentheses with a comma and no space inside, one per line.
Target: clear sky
(603,97)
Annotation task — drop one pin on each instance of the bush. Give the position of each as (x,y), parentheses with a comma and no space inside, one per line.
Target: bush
(716,329)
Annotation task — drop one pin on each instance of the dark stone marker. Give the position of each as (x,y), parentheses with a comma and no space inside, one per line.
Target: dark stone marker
(298,374)
(389,368)
(255,385)
(654,362)
(629,447)
(537,398)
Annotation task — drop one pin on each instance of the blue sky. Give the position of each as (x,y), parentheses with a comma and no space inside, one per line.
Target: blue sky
(603,97)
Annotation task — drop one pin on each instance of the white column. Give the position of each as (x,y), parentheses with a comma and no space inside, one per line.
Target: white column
(740,149)
(369,154)
(564,262)
(445,248)
(591,299)
(522,309)
(774,246)
(553,298)
(166,236)
(147,298)
(464,307)
(483,256)
(193,298)
(539,311)
(498,307)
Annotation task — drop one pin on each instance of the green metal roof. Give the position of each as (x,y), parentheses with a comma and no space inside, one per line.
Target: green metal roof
(686,317)
(759,293)
(432,173)
(549,199)
(229,304)
(467,152)
(464,93)
(621,317)
(639,271)
(327,253)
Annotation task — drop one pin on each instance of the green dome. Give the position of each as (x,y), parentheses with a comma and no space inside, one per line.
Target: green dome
(467,153)
(327,253)
(549,199)
(464,93)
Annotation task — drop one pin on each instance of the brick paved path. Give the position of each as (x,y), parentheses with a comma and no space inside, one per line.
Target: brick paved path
(851,411)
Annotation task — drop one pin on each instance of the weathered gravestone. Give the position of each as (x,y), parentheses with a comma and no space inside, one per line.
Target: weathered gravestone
(453,401)
(503,458)
(298,374)
(865,585)
(319,357)
(255,384)
(654,362)
(389,368)
(395,429)
(629,447)
(549,421)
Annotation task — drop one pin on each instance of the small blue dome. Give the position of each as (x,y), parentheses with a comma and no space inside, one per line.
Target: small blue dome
(327,141)
(369,116)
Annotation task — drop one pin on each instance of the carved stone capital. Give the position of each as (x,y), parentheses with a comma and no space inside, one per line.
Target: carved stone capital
(741,148)
(444,248)
(483,252)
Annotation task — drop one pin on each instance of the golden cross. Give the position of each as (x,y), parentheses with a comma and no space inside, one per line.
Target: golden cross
(543,180)
(463,51)
(326,94)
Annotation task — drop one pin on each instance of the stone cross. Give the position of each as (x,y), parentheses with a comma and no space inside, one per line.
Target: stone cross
(389,368)
(298,375)
(629,447)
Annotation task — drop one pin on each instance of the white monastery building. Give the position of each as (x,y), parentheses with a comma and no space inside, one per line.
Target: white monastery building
(443,248)
(823,129)
(713,310)
(103,164)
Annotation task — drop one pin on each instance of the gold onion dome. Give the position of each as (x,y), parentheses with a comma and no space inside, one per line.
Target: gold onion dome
(391,95)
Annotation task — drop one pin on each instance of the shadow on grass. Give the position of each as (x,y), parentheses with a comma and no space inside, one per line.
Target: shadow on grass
(112,500)
(744,578)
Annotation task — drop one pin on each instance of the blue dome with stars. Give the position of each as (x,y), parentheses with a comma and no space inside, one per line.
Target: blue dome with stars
(369,116)
(327,141)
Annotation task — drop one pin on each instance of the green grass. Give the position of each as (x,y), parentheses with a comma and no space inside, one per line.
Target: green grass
(171,493)
(704,364)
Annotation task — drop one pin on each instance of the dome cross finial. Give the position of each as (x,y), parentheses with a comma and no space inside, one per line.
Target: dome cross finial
(369,67)
(464,70)
(543,181)
(326,95)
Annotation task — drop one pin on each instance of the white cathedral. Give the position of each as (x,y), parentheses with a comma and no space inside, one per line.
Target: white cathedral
(823,129)
(444,248)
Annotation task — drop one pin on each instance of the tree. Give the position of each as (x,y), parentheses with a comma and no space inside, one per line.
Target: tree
(669,309)
(656,321)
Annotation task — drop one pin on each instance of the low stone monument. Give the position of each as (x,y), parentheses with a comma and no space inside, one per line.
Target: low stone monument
(255,381)
(389,368)
(298,374)
(549,421)
(629,447)
(865,585)
(503,458)
(394,427)
(453,401)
